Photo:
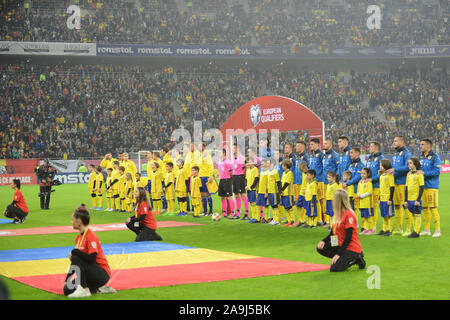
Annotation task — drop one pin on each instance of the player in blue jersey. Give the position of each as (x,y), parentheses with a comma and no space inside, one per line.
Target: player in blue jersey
(431,167)
(355,168)
(373,163)
(330,161)
(400,170)
(316,163)
(344,155)
(300,155)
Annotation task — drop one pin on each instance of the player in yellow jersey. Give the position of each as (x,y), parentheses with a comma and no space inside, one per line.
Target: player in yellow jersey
(129,165)
(365,196)
(346,176)
(181,181)
(169,188)
(194,188)
(206,174)
(129,192)
(140,181)
(108,161)
(252,178)
(165,159)
(287,192)
(156,187)
(122,191)
(115,181)
(301,209)
(191,158)
(262,198)
(334,184)
(99,187)
(414,189)
(273,187)
(387,188)
(311,200)
(92,185)
(121,163)
(109,190)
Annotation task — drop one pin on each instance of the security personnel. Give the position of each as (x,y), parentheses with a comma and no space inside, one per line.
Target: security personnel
(400,170)
(431,167)
(355,168)
(316,163)
(373,163)
(344,155)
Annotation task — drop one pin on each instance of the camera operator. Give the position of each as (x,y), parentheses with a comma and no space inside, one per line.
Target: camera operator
(45,174)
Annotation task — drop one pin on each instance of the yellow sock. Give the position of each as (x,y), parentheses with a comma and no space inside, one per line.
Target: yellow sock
(426,218)
(266,213)
(255,212)
(129,205)
(197,210)
(276,214)
(171,206)
(399,218)
(365,223)
(385,224)
(372,223)
(94,202)
(391,223)
(408,220)
(314,221)
(100,200)
(281,211)
(417,222)
(117,203)
(375,215)
(319,210)
(302,215)
(157,205)
(291,215)
(436,219)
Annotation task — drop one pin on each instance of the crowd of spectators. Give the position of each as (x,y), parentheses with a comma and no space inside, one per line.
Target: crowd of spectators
(319,23)
(73,111)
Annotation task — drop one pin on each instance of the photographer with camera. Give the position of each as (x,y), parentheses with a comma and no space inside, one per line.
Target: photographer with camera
(45,174)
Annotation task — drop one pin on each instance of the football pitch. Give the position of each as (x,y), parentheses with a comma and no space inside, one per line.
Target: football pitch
(408,268)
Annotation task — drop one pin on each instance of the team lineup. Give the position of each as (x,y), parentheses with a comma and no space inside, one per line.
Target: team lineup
(298,187)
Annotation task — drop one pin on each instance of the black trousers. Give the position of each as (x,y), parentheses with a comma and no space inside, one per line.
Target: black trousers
(144,233)
(14,212)
(345,261)
(45,197)
(91,276)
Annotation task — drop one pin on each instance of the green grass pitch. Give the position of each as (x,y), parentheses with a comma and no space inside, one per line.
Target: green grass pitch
(409,268)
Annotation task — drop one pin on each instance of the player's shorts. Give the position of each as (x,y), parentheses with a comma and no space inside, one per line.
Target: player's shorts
(274,199)
(225,188)
(365,212)
(414,209)
(287,201)
(170,196)
(430,198)
(311,208)
(399,194)
(251,196)
(239,184)
(181,199)
(204,187)
(181,194)
(375,197)
(329,208)
(386,211)
(261,200)
(156,196)
(301,201)
(320,191)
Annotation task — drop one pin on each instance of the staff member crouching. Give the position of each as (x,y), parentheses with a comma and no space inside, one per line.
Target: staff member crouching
(143,223)
(18,209)
(87,261)
(342,244)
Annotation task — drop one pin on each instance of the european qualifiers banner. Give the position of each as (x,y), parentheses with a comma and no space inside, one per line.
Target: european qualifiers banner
(427,51)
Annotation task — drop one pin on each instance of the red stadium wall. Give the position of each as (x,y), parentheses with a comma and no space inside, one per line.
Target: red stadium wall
(22,165)
(276,112)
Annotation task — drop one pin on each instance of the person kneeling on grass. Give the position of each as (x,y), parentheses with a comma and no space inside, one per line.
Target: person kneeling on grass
(342,244)
(143,223)
(18,209)
(89,271)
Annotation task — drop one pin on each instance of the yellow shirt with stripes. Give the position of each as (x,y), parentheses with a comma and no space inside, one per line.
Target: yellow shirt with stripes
(288,177)
(206,165)
(195,187)
(115,175)
(363,188)
(262,184)
(180,186)
(122,183)
(311,190)
(107,163)
(99,183)
(413,182)
(272,178)
(386,182)
(156,178)
(250,176)
(331,188)
(92,181)
(170,190)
